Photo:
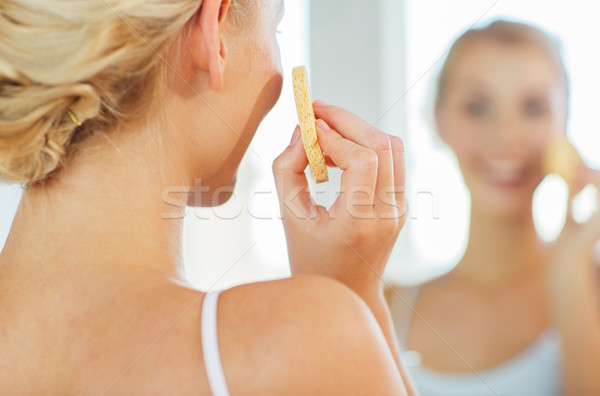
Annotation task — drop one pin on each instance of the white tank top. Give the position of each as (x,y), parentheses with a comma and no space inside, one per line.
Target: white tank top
(534,371)
(210,345)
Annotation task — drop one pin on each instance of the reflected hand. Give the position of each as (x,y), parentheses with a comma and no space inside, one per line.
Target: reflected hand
(571,256)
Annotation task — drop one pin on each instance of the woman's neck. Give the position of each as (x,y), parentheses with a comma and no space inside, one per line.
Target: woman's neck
(106,210)
(500,249)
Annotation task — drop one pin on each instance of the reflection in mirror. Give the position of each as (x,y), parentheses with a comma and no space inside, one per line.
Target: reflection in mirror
(506,317)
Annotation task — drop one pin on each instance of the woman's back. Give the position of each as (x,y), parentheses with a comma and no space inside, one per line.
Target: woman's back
(141,333)
(67,340)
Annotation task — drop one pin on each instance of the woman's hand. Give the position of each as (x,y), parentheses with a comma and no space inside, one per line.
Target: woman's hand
(351,241)
(571,256)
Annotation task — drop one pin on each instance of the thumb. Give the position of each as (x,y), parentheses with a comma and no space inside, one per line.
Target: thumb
(292,186)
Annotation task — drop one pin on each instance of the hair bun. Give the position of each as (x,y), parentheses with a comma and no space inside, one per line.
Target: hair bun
(35,127)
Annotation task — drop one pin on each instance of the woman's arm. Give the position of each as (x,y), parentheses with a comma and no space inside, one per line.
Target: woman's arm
(574,298)
(578,322)
(381,311)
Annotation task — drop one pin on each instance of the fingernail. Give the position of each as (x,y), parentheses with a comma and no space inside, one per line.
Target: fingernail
(295,136)
(323,125)
(319,103)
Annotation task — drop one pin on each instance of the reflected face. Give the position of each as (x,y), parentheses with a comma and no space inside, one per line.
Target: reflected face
(502,104)
(252,84)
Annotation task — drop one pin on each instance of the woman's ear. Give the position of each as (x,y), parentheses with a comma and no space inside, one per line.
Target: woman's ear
(209,51)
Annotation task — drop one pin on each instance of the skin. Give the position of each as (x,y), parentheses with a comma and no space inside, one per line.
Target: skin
(503,104)
(92,296)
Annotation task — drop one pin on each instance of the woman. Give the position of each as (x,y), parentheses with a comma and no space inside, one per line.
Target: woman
(514,317)
(107,106)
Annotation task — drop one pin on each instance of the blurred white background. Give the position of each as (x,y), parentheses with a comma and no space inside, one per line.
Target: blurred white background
(379,59)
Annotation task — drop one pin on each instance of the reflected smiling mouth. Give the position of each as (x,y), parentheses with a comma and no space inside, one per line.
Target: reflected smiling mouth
(505,172)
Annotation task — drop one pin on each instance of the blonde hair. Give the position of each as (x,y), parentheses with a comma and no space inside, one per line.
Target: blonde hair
(94,60)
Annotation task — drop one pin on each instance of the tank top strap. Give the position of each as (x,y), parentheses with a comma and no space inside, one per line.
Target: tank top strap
(210,345)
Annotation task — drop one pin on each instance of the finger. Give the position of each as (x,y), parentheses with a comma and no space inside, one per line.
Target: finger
(359,178)
(399,174)
(292,187)
(328,160)
(590,231)
(591,176)
(584,177)
(347,124)
(385,190)
(594,226)
(354,128)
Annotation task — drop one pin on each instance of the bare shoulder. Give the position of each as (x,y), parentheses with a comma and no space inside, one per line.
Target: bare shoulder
(303,335)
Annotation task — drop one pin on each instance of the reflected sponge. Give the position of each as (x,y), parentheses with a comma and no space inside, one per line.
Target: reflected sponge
(562,158)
